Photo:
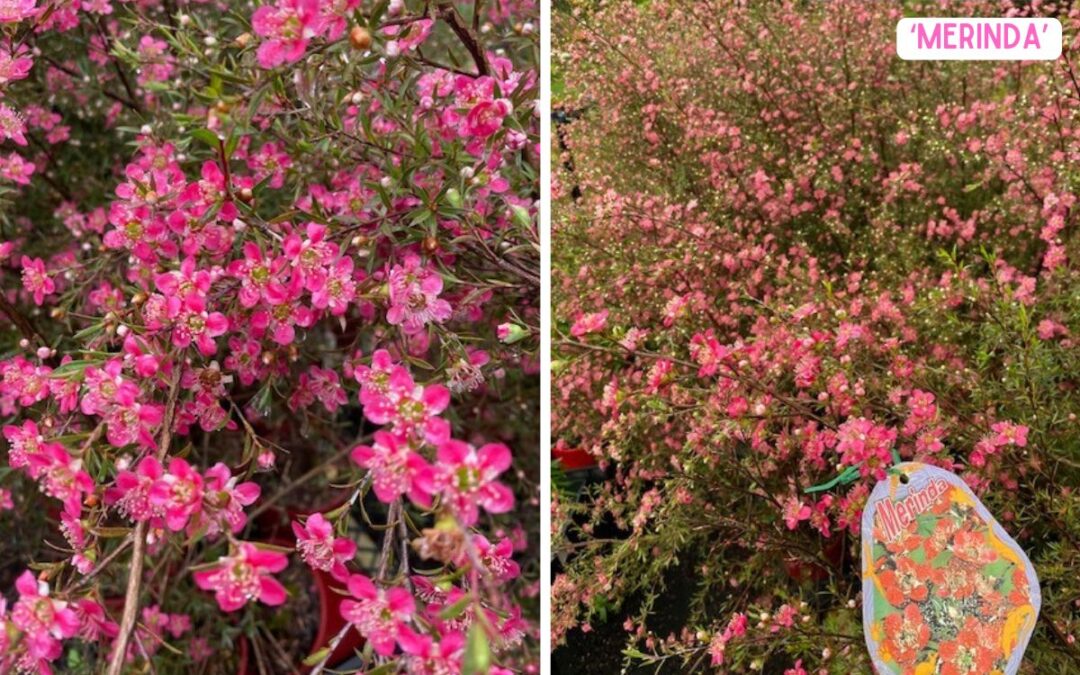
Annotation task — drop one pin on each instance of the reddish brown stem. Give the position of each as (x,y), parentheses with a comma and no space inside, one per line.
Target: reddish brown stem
(138,554)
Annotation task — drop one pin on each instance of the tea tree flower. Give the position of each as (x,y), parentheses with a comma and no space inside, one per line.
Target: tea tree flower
(178,494)
(414,296)
(395,468)
(465,477)
(320,549)
(379,614)
(287,27)
(44,622)
(36,279)
(244,576)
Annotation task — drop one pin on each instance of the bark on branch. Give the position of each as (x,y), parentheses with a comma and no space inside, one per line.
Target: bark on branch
(138,554)
(448,13)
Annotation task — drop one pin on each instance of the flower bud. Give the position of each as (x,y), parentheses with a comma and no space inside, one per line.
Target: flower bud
(360,38)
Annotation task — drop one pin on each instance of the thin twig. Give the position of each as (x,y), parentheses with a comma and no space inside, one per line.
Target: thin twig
(138,555)
(449,14)
(330,649)
(25,326)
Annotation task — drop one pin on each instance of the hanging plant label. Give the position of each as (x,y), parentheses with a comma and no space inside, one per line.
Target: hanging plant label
(945,588)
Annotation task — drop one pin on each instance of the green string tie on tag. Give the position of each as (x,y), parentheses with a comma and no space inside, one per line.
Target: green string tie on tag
(850,475)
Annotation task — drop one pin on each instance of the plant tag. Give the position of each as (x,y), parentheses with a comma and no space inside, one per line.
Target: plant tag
(945,588)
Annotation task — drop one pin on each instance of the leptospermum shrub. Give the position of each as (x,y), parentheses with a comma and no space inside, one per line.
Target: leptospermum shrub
(780,252)
(269,287)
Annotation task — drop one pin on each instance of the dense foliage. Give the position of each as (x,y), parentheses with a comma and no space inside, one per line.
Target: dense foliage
(269,284)
(781,252)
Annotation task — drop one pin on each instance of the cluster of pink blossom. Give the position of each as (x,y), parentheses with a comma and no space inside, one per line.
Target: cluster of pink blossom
(237,253)
(179,497)
(817,265)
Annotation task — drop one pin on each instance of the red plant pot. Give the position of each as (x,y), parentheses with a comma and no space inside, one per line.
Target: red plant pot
(276,521)
(330,621)
(805,571)
(573,459)
(243,654)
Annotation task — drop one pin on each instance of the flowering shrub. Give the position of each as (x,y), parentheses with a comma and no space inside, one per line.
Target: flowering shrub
(782,254)
(270,285)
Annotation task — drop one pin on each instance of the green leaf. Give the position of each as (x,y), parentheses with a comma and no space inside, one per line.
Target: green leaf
(634,653)
(71,368)
(314,659)
(206,136)
(455,610)
(477,652)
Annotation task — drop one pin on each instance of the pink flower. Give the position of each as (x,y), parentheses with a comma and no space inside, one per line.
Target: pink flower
(289,26)
(61,476)
(798,669)
(394,468)
(193,323)
(130,492)
(44,622)
(707,351)
(257,276)
(322,384)
(320,549)
(424,656)
(178,494)
(379,614)
(94,624)
(105,387)
(589,323)
(819,519)
(245,576)
(414,297)
(16,169)
(13,11)
(486,117)
(337,289)
(923,411)
(335,17)
(36,279)
(498,559)
(184,282)
(130,421)
(1049,329)
(309,256)
(408,37)
(137,229)
(411,409)
(155,61)
(1010,434)
(11,124)
(286,311)
(23,442)
(224,501)
(465,477)
(795,512)
(14,65)
(866,445)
